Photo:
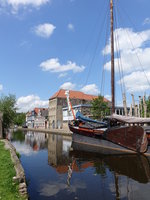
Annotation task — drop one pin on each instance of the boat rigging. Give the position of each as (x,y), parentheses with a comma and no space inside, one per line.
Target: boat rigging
(116,135)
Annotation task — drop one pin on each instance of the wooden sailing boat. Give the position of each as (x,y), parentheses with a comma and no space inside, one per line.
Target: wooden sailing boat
(116,136)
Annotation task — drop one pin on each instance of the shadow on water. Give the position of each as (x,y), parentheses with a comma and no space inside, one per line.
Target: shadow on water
(133,166)
(56,172)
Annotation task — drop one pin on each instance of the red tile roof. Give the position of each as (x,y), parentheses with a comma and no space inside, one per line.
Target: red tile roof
(75,95)
(36,110)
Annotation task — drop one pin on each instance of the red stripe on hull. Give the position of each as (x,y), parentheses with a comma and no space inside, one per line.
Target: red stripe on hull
(86,131)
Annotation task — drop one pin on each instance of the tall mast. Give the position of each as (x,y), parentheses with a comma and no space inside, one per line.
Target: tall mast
(112,58)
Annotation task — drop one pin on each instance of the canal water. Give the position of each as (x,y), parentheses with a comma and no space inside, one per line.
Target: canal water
(55,171)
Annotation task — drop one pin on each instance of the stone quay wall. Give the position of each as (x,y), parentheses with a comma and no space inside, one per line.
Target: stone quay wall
(20,175)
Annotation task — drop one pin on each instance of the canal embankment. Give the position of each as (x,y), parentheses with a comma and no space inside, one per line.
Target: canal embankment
(63,132)
(12,176)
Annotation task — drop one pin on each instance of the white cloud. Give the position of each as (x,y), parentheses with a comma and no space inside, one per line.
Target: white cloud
(53,65)
(130,60)
(68,86)
(134,53)
(25,44)
(71,27)
(90,89)
(53,188)
(44,30)
(136,81)
(107,96)
(146,21)
(62,75)
(1,87)
(26,103)
(24,149)
(24,2)
(16,4)
(128,39)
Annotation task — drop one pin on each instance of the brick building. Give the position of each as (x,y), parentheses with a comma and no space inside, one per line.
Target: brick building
(58,101)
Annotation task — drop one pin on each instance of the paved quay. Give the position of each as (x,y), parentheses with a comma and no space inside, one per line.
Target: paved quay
(63,132)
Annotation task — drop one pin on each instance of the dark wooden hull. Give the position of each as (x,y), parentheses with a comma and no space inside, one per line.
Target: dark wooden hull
(148,137)
(130,138)
(96,145)
(147,130)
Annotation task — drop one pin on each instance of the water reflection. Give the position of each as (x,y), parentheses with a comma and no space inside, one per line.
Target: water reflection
(29,142)
(136,167)
(56,171)
(129,173)
(36,140)
(58,152)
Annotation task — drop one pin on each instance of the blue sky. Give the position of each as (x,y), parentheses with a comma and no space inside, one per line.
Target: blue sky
(46,45)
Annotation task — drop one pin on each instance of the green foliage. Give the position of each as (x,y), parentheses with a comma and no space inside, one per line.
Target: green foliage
(19,119)
(147,101)
(148,107)
(8,189)
(7,107)
(99,108)
(18,136)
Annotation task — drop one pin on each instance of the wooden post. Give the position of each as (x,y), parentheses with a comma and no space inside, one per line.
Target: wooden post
(145,107)
(130,113)
(133,103)
(125,104)
(136,111)
(140,107)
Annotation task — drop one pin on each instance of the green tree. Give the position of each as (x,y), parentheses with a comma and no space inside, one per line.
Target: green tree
(8,108)
(148,106)
(99,108)
(20,119)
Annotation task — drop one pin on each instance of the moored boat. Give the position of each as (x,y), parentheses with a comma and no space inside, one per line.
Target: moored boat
(101,146)
(117,134)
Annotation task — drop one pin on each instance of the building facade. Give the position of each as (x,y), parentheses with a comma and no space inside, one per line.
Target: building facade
(58,101)
(37,118)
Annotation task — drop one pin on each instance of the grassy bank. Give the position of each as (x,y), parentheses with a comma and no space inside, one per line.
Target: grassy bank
(8,189)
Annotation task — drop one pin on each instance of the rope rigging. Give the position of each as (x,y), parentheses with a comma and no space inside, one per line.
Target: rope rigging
(104,59)
(97,45)
(118,53)
(91,59)
(133,47)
